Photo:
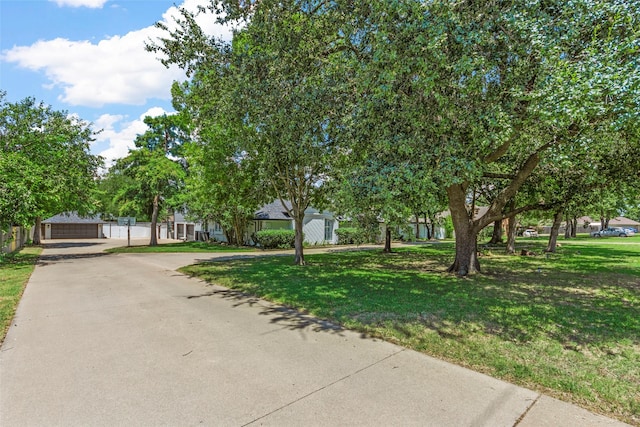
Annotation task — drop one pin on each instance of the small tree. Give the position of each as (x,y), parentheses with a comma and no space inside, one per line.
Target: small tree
(153,181)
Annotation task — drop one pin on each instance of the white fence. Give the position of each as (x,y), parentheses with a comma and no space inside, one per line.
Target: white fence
(141,230)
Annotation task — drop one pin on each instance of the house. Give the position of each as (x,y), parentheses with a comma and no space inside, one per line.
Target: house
(70,225)
(318,226)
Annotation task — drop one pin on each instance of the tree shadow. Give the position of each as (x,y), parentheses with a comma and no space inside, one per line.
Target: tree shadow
(70,244)
(567,303)
(288,318)
(45,260)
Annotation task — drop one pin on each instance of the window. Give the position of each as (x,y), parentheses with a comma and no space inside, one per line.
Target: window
(328,229)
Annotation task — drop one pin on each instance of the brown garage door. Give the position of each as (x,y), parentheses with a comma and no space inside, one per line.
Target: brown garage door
(74,231)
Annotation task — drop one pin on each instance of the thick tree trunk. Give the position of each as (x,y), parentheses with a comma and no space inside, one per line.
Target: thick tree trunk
(555,228)
(567,228)
(496,237)
(387,240)
(511,234)
(466,261)
(574,227)
(299,240)
(154,221)
(37,232)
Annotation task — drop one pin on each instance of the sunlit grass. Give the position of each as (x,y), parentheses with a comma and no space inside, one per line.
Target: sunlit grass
(15,270)
(567,324)
(180,247)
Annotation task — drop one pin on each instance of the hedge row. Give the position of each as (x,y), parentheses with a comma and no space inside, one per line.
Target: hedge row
(350,236)
(276,239)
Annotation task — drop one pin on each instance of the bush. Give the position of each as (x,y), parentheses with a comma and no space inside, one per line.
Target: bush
(349,236)
(276,239)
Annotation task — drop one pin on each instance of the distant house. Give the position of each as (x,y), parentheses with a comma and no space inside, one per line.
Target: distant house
(69,225)
(318,226)
(619,221)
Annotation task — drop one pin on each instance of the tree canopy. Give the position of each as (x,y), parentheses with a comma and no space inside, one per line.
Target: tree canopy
(476,96)
(46,164)
(146,180)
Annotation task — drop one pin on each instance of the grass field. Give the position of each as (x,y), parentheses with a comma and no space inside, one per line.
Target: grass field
(179,247)
(15,270)
(567,324)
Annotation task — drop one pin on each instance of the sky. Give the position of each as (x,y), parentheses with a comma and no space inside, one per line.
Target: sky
(88,57)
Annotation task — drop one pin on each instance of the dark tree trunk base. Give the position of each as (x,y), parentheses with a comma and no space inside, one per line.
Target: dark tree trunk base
(387,241)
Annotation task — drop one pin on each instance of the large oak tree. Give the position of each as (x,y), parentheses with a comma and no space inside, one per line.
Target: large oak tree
(45,164)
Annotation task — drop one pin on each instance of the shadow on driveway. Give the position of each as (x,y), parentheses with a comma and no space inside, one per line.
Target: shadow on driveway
(284,316)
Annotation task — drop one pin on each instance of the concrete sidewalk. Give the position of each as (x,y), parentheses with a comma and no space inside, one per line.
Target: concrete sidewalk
(126,340)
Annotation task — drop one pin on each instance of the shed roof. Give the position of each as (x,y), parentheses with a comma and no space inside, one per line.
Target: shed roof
(73,218)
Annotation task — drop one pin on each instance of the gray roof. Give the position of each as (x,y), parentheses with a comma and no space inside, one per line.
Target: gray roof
(73,218)
(273,211)
(618,221)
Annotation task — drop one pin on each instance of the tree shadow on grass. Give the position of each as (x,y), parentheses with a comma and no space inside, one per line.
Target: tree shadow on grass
(515,304)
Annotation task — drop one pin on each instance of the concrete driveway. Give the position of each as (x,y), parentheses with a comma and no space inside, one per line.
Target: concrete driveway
(125,340)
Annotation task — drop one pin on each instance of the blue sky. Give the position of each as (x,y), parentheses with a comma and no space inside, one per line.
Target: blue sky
(87,57)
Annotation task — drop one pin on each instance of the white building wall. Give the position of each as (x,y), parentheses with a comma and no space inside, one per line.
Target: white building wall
(216,232)
(314,228)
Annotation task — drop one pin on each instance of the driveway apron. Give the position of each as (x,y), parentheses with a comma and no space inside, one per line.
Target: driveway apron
(125,340)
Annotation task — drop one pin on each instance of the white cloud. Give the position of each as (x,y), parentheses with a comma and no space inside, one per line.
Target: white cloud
(94,4)
(206,21)
(116,70)
(120,133)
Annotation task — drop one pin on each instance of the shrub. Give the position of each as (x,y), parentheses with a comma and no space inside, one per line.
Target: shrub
(349,236)
(276,239)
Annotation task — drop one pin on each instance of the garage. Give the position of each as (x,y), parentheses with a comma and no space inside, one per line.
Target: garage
(72,226)
(74,231)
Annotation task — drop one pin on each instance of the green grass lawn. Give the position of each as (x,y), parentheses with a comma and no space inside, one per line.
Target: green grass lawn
(15,270)
(180,247)
(567,325)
